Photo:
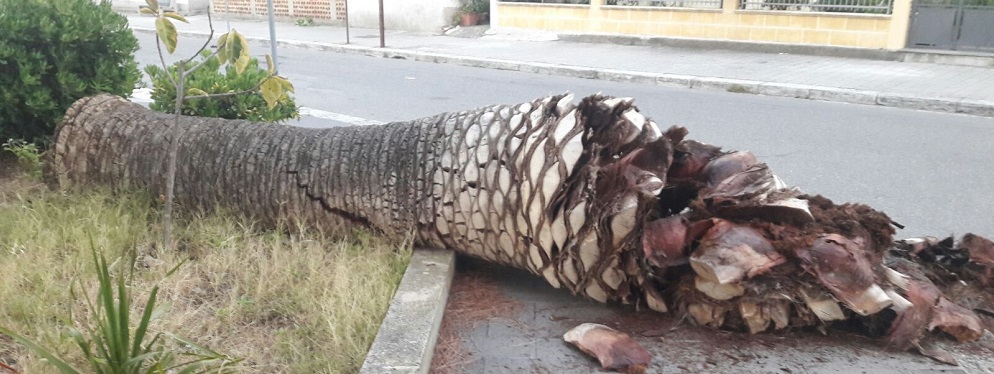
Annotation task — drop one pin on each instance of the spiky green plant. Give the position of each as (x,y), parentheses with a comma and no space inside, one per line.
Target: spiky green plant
(113,346)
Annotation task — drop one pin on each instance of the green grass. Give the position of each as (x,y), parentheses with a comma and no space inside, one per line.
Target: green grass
(285,301)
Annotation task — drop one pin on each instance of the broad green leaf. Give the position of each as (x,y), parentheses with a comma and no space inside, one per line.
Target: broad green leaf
(196,92)
(269,64)
(271,90)
(242,60)
(287,86)
(232,47)
(166,31)
(175,16)
(146,10)
(154,4)
(222,50)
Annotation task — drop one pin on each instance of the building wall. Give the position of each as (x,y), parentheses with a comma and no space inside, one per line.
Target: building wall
(318,9)
(411,15)
(728,23)
(182,6)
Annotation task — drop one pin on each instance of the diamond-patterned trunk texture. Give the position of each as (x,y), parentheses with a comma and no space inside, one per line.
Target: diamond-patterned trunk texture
(593,197)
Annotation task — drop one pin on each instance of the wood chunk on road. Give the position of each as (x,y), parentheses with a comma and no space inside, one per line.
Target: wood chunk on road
(614,349)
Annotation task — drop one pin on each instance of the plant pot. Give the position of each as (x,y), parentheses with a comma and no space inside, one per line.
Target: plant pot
(469,19)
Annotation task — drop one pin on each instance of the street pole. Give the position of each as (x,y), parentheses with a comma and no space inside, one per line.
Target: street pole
(272,37)
(383,42)
(347,22)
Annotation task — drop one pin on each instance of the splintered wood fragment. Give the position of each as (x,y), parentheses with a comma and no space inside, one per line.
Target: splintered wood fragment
(981,252)
(689,159)
(957,321)
(823,306)
(706,314)
(754,316)
(779,209)
(664,241)
(981,249)
(842,266)
(730,252)
(912,321)
(614,349)
(937,354)
(727,165)
(654,300)
(717,290)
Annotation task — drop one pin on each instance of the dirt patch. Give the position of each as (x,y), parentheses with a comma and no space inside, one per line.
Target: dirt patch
(9,170)
(475,298)
(13,178)
(8,355)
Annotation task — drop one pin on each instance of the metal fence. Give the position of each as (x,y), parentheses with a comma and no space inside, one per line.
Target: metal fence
(697,4)
(833,6)
(582,2)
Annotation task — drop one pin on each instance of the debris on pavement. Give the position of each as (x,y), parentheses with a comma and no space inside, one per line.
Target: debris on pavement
(614,349)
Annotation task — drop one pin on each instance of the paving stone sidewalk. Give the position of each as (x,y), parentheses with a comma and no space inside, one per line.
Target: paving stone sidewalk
(936,87)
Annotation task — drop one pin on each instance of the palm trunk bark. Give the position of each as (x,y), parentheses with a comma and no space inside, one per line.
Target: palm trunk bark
(593,197)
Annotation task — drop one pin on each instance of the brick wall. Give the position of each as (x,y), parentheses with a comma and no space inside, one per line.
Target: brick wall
(319,9)
(340,10)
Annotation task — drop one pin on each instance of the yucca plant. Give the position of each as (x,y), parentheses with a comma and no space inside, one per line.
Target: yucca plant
(112,345)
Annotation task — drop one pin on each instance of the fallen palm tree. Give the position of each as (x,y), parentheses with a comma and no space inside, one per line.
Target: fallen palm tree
(593,197)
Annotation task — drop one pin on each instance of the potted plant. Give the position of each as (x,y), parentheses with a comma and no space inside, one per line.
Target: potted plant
(473,11)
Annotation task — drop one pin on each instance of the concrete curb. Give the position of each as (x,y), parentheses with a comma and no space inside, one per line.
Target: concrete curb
(406,340)
(983,108)
(733,45)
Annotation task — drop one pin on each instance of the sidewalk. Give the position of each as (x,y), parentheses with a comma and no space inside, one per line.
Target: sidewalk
(935,87)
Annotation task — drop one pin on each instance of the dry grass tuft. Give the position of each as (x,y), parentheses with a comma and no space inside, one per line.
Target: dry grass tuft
(474,298)
(286,303)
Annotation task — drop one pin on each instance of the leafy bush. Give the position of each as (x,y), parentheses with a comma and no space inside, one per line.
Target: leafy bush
(28,155)
(54,52)
(476,6)
(210,79)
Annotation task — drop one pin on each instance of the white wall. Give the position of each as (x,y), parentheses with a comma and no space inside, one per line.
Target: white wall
(186,7)
(411,15)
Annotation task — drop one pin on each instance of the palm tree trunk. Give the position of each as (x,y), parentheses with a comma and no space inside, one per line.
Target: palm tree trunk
(593,197)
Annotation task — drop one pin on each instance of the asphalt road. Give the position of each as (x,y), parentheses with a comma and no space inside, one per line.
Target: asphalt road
(932,172)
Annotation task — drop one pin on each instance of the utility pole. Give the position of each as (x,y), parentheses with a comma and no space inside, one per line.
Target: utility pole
(272,37)
(383,42)
(347,22)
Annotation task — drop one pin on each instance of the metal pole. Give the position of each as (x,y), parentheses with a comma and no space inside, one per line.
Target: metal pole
(347,22)
(272,37)
(227,15)
(383,42)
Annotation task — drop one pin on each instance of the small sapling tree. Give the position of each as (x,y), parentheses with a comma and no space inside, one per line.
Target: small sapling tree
(232,48)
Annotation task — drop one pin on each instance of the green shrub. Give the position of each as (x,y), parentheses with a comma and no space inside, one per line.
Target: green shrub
(28,155)
(212,80)
(54,52)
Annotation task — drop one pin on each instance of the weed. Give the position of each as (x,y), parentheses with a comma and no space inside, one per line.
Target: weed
(112,345)
(737,88)
(304,302)
(28,156)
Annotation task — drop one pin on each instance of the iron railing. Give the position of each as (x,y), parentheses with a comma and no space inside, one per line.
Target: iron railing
(581,2)
(834,6)
(697,4)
